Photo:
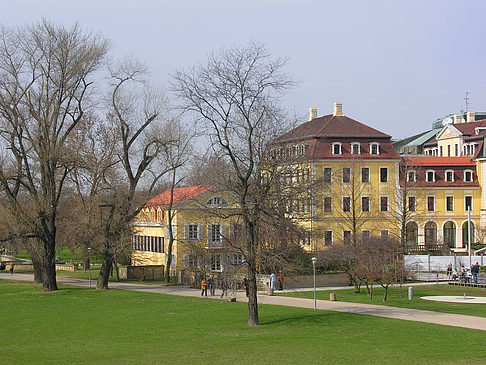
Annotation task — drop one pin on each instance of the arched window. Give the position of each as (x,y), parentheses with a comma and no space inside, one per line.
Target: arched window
(411,232)
(430,233)
(450,234)
(465,235)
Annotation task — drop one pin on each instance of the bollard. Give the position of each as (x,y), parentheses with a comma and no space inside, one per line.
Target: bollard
(332,297)
(410,293)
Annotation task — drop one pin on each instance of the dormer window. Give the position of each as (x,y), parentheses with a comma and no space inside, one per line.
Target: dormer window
(355,148)
(430,175)
(336,148)
(468,176)
(216,201)
(411,176)
(374,148)
(449,176)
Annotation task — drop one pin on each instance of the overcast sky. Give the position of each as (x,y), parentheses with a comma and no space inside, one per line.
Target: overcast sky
(395,65)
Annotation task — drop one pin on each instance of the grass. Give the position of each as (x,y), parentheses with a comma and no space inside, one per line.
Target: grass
(80,326)
(396,300)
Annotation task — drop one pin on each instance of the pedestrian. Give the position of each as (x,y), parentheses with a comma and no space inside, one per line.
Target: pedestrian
(211,285)
(449,270)
(280,281)
(224,288)
(273,278)
(245,285)
(475,272)
(204,287)
(454,275)
(11,267)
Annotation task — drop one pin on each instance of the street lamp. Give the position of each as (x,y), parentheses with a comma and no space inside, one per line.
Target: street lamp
(314,266)
(89,265)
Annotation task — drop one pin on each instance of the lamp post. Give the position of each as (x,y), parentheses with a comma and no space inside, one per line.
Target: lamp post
(314,267)
(89,265)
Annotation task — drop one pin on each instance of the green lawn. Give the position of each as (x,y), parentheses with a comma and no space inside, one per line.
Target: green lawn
(76,325)
(397,300)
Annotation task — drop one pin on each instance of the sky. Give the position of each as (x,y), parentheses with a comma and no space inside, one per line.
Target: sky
(395,65)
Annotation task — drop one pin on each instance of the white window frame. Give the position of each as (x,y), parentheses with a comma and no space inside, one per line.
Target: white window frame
(213,241)
(387,175)
(387,204)
(414,203)
(446,173)
(216,262)
(446,203)
(369,175)
(369,204)
(212,204)
(189,234)
(427,202)
(377,145)
(237,259)
(465,174)
(427,175)
(327,231)
(357,144)
(465,202)
(414,175)
(340,148)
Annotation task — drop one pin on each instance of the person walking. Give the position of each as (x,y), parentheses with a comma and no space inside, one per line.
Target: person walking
(273,279)
(11,267)
(204,287)
(449,270)
(475,272)
(224,288)
(211,285)
(280,281)
(245,285)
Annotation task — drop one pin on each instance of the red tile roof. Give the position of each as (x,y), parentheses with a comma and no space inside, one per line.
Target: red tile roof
(331,126)
(180,195)
(440,161)
(468,128)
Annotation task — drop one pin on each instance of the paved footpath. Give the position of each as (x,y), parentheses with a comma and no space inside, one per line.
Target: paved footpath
(457,320)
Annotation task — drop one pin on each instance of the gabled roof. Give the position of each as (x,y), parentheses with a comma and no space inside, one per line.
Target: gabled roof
(440,161)
(330,126)
(468,129)
(423,138)
(180,195)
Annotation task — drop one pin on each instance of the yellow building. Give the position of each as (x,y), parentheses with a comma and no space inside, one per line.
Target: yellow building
(205,234)
(353,174)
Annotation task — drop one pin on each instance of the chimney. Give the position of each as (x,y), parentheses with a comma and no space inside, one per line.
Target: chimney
(312,113)
(338,109)
(458,118)
(471,117)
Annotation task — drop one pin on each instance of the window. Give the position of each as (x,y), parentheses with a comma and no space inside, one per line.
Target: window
(215,262)
(327,205)
(215,235)
(456,150)
(148,243)
(430,204)
(355,150)
(346,174)
(365,204)
(365,174)
(336,148)
(374,149)
(384,233)
(468,176)
(411,204)
(468,203)
(346,236)
(440,153)
(384,204)
(383,174)
(237,259)
(216,201)
(327,174)
(449,176)
(411,176)
(192,231)
(449,203)
(327,238)
(448,150)
(305,239)
(346,204)
(365,234)
(430,233)
(450,234)
(411,231)
(430,175)
(465,234)
(190,261)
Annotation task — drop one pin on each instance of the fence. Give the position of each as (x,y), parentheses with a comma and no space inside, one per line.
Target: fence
(438,263)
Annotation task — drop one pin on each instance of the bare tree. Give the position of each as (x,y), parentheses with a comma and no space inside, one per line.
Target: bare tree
(45,77)
(234,96)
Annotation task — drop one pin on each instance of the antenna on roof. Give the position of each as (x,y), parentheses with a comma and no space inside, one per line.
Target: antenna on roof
(467,100)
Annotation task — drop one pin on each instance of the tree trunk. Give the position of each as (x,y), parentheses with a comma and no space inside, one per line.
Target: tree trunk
(102,282)
(252,286)
(169,257)
(49,265)
(386,294)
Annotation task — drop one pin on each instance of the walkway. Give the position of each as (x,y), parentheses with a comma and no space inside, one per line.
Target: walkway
(457,320)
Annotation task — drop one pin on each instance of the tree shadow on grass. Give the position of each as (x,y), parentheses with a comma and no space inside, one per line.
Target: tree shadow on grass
(318,318)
